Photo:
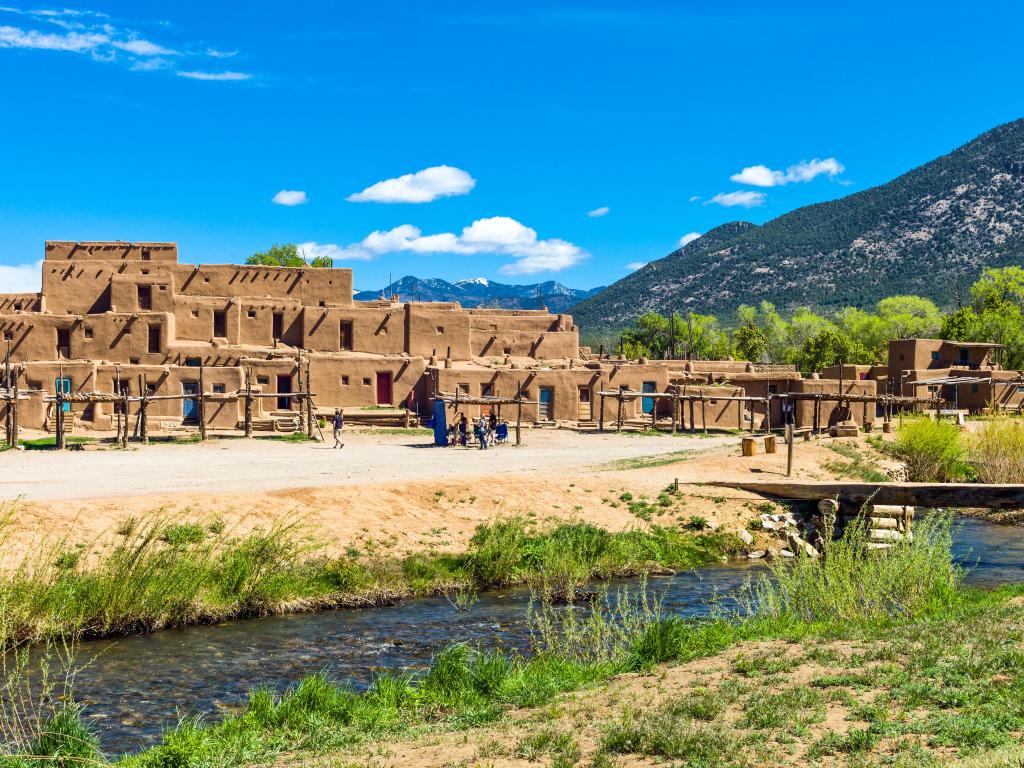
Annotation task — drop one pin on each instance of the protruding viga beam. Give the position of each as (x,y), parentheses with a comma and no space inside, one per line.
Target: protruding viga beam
(1002,496)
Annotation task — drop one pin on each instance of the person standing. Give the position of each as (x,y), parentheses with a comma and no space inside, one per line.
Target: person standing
(339,423)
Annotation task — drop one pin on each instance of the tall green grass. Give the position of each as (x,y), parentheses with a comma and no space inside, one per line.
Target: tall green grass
(996,451)
(853,582)
(162,573)
(932,451)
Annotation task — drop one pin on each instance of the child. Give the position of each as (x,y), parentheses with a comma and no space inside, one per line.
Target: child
(339,423)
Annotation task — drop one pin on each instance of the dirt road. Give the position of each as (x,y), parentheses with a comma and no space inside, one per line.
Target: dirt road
(268,465)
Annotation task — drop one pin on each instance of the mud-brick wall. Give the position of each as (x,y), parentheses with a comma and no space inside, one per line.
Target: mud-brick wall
(830,411)
(435,329)
(306,286)
(347,381)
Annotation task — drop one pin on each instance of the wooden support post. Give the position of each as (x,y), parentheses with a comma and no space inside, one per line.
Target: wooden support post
(117,391)
(703,414)
(13,408)
(768,415)
(519,412)
(144,418)
(59,437)
(309,406)
(654,413)
(600,420)
(618,417)
(127,421)
(202,401)
(817,416)
(675,407)
(739,415)
(693,419)
(789,448)
(248,402)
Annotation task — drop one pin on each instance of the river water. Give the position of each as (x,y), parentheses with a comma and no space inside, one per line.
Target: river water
(135,687)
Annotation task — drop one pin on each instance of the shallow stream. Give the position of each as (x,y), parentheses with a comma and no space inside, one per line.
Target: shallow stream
(135,687)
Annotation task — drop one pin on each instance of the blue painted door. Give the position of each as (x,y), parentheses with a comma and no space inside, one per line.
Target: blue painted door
(546,396)
(64,387)
(648,402)
(189,408)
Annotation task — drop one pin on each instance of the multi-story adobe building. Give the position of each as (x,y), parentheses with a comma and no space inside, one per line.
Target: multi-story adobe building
(116,317)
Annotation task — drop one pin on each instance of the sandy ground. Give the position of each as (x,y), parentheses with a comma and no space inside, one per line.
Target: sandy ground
(383,490)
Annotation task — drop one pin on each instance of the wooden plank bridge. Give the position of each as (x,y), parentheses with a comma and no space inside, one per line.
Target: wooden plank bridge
(992,496)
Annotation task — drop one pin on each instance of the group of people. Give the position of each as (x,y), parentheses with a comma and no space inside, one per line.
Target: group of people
(488,431)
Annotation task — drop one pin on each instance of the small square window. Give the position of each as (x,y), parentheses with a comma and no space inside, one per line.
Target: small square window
(344,381)
(8,336)
(251,313)
(88,332)
(323,303)
(507,350)
(366,382)
(195,313)
(935,356)
(193,362)
(133,360)
(262,379)
(440,330)
(218,389)
(1020,389)
(162,287)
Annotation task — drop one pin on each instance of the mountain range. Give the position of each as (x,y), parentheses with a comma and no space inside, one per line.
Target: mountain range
(481,292)
(928,232)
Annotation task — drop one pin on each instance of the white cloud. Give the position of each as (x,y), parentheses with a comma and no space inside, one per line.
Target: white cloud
(499,235)
(597,213)
(143,48)
(421,187)
(290,197)
(694,198)
(804,171)
(635,265)
(313,250)
(689,237)
(214,76)
(91,34)
(745,199)
(21,278)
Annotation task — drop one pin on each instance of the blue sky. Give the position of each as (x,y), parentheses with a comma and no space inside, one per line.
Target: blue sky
(516,141)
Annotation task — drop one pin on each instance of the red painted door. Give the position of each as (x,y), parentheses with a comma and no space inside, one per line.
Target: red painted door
(384,388)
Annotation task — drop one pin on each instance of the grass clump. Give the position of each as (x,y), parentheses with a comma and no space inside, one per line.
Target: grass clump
(932,451)
(996,451)
(859,465)
(852,582)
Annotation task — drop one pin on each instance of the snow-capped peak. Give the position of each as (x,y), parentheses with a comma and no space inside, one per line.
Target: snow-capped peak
(474,281)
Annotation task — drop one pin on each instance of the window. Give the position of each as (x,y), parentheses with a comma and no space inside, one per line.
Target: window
(218,389)
(262,379)
(344,381)
(195,313)
(193,362)
(1020,389)
(88,331)
(345,334)
(507,350)
(464,389)
(773,389)
(366,382)
(440,330)
(935,356)
(154,339)
(251,314)
(220,324)
(323,303)
(64,342)
(146,254)
(162,287)
(145,297)
(965,355)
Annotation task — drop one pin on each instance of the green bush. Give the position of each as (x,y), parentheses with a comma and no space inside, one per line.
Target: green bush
(996,452)
(932,451)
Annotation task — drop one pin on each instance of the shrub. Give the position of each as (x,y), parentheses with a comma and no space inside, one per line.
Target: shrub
(997,452)
(932,451)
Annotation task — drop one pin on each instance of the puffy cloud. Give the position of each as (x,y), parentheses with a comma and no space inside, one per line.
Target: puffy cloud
(635,265)
(214,76)
(689,237)
(804,171)
(71,42)
(597,213)
(290,197)
(421,187)
(313,250)
(499,235)
(21,278)
(744,199)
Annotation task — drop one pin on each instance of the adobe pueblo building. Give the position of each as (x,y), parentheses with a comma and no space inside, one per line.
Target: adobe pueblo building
(116,321)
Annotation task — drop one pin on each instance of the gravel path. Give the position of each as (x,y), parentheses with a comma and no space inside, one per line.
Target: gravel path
(267,465)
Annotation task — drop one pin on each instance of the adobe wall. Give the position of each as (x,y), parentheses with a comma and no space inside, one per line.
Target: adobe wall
(19,302)
(117,250)
(830,412)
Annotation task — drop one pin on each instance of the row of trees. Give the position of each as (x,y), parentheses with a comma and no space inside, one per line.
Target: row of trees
(813,341)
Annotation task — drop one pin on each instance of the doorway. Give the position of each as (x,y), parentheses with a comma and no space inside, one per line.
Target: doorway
(64,343)
(145,298)
(220,325)
(64,387)
(546,407)
(383,387)
(190,408)
(277,326)
(284,387)
(486,390)
(345,340)
(647,403)
(585,411)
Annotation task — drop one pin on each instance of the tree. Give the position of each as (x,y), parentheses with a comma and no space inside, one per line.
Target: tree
(960,325)
(910,317)
(287,255)
(996,287)
(750,343)
(827,347)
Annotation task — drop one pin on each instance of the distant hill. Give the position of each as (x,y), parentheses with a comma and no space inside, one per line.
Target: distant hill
(920,233)
(480,292)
